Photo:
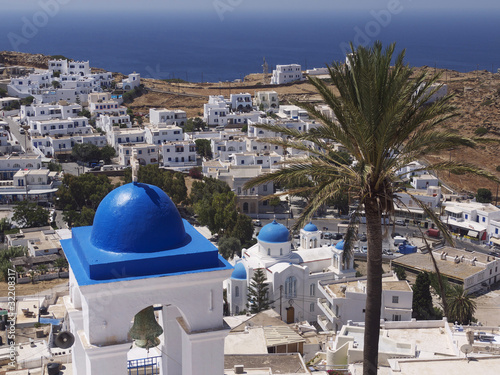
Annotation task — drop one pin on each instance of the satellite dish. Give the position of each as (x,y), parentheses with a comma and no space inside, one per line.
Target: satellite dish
(466,348)
(64,340)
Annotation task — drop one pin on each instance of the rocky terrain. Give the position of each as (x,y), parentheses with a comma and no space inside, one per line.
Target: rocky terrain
(476,97)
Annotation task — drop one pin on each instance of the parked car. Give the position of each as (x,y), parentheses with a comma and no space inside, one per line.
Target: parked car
(327,236)
(387,252)
(395,234)
(337,236)
(364,249)
(400,222)
(257,223)
(362,237)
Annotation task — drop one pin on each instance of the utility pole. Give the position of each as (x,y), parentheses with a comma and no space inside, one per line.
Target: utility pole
(281,296)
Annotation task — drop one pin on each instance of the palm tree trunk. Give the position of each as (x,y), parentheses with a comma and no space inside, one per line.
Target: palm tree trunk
(374,286)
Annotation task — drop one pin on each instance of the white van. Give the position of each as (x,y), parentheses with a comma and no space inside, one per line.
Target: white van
(398,240)
(107,167)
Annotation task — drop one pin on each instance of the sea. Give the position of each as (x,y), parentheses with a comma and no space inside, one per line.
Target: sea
(215,47)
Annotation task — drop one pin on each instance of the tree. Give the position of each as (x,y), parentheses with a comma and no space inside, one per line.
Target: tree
(383,120)
(461,307)
(274,202)
(257,293)
(85,113)
(28,100)
(204,148)
(60,263)
(484,195)
(55,84)
(107,152)
(30,215)
(195,124)
(422,299)
(400,272)
(86,152)
(228,246)
(243,230)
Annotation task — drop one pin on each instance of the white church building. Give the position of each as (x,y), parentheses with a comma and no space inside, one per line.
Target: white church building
(140,253)
(292,275)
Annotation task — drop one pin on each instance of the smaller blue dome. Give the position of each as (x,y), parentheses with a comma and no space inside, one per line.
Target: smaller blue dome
(340,245)
(239,272)
(274,233)
(311,227)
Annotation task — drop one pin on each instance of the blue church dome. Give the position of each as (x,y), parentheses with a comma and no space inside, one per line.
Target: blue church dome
(274,233)
(137,218)
(239,273)
(311,227)
(340,245)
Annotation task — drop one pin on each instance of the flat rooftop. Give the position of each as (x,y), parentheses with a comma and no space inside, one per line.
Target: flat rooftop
(388,283)
(476,365)
(457,271)
(278,363)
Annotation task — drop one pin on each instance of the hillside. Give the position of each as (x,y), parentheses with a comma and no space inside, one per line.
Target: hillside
(477,100)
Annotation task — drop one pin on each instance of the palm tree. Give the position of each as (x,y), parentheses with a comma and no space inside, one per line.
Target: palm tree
(461,307)
(382,118)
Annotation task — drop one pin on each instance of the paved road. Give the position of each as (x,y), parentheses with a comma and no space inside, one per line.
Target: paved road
(23,139)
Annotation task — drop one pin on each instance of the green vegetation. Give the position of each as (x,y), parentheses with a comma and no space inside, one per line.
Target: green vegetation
(27,101)
(461,307)
(422,298)
(29,215)
(487,102)
(88,152)
(257,299)
(80,196)
(85,113)
(480,131)
(204,148)
(129,96)
(174,80)
(400,272)
(484,195)
(380,108)
(215,204)
(6,256)
(172,183)
(229,246)
(195,124)
(3,93)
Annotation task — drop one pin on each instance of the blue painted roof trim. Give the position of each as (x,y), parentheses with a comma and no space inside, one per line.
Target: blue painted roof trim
(91,265)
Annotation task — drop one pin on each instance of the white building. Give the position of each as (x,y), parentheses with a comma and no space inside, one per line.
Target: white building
(344,300)
(131,82)
(293,112)
(7,102)
(10,164)
(216,110)
(286,73)
(474,220)
(146,153)
(80,68)
(179,154)
(107,107)
(124,136)
(292,276)
(165,116)
(69,126)
(109,123)
(473,270)
(241,102)
(267,160)
(54,145)
(424,181)
(269,101)
(158,134)
(122,265)
(47,111)
(34,184)
(38,241)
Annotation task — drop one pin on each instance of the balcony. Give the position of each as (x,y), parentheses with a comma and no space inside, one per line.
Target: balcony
(324,323)
(323,305)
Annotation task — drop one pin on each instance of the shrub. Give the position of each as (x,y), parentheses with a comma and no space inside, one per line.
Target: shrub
(481,131)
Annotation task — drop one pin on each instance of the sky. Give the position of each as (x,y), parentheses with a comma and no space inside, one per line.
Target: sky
(281,6)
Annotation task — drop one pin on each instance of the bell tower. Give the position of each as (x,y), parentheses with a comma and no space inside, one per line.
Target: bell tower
(141,265)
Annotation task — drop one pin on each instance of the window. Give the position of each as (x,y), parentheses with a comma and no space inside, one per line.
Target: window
(291,287)
(312,289)
(484,219)
(396,318)
(395,299)
(265,187)
(281,251)
(236,291)
(268,251)
(311,307)
(237,310)
(466,216)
